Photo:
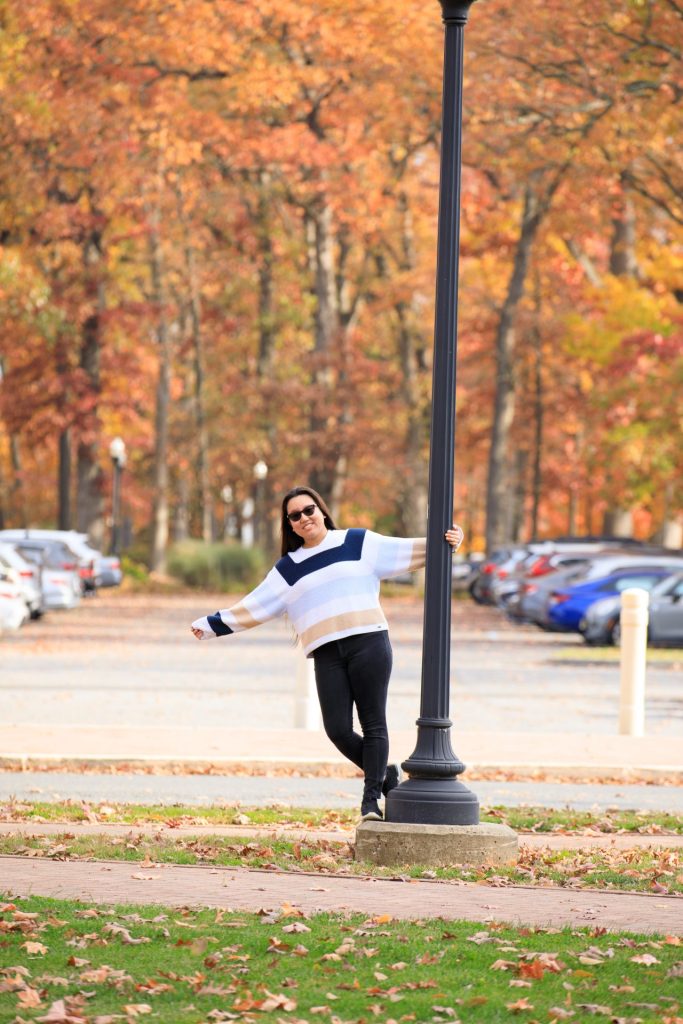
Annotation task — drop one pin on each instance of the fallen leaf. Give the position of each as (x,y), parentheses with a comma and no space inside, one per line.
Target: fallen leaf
(34,948)
(521,1004)
(647,959)
(28,998)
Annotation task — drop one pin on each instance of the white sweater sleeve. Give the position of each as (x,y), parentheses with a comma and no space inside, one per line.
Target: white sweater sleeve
(391,556)
(264,603)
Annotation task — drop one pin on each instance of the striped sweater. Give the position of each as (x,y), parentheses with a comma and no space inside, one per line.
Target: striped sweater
(329,591)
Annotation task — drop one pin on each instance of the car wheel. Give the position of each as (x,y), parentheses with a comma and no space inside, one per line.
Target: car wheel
(615,633)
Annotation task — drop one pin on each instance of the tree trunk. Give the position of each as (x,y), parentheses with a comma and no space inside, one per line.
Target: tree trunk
(64,479)
(622,259)
(266,351)
(266,295)
(18,493)
(326,453)
(497,495)
(536,486)
(203,478)
(89,472)
(413,487)
(618,522)
(160,521)
(622,263)
(519,496)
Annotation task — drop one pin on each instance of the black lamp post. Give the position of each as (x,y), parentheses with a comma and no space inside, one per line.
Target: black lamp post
(432,794)
(117,451)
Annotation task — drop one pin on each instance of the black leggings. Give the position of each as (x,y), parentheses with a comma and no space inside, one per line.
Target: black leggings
(356,670)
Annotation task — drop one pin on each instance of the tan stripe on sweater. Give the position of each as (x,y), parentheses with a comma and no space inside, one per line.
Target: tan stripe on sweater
(338,623)
(243,617)
(419,555)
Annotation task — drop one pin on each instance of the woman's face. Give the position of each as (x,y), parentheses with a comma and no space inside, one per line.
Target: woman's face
(310,526)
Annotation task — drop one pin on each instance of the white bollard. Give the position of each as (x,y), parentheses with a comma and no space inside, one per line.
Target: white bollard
(307,708)
(634,619)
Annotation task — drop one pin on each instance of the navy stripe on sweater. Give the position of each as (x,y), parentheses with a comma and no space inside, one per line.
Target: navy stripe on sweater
(349,551)
(217,625)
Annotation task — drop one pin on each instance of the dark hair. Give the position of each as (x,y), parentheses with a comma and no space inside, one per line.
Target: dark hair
(290,540)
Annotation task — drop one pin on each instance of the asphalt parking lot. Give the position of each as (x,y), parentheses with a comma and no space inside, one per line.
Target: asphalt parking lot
(126,658)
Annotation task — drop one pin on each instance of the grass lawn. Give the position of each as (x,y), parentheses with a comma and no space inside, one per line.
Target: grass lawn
(521,819)
(71,963)
(655,655)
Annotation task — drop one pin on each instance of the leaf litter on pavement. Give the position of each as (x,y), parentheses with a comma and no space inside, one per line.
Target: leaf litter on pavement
(65,962)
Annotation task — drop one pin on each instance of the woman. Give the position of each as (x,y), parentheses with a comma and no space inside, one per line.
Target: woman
(328,583)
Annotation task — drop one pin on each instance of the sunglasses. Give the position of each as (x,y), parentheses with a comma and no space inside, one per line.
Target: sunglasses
(307,511)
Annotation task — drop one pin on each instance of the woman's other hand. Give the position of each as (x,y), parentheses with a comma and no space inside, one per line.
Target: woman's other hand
(199,633)
(455,536)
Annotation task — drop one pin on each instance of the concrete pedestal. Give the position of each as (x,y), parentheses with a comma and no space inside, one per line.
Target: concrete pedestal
(389,843)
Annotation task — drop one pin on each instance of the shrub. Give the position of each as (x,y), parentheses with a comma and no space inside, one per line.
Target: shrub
(215,566)
(135,570)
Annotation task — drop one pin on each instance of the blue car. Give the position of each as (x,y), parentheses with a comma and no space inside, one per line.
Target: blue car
(569,604)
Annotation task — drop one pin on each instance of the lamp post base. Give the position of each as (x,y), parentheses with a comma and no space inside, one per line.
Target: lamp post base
(432,801)
(381,842)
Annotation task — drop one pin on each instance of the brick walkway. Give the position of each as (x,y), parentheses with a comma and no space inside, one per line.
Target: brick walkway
(252,890)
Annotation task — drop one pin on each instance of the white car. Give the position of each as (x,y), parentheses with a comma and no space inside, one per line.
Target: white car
(61,586)
(13,610)
(96,570)
(26,575)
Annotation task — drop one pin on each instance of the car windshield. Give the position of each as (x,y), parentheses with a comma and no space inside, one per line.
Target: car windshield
(645,582)
(54,556)
(672,586)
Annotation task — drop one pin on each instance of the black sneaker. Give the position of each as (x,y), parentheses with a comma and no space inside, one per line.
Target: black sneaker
(392,778)
(370,811)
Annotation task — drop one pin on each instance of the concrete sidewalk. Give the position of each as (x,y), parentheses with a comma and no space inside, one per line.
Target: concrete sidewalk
(330,790)
(253,890)
(575,754)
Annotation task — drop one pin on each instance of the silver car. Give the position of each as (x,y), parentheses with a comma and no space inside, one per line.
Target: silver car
(601,625)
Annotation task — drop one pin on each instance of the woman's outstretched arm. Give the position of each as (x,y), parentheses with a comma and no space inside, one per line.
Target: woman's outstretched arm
(264,603)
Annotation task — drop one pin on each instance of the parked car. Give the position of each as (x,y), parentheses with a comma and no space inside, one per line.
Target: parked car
(27,577)
(77,554)
(108,572)
(666,612)
(568,606)
(539,566)
(498,562)
(13,610)
(533,602)
(95,569)
(61,583)
(464,570)
(601,623)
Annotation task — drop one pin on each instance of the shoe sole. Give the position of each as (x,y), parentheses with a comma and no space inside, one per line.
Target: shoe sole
(371,816)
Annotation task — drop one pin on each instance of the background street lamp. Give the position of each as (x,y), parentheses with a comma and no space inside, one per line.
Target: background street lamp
(432,795)
(117,451)
(260,473)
